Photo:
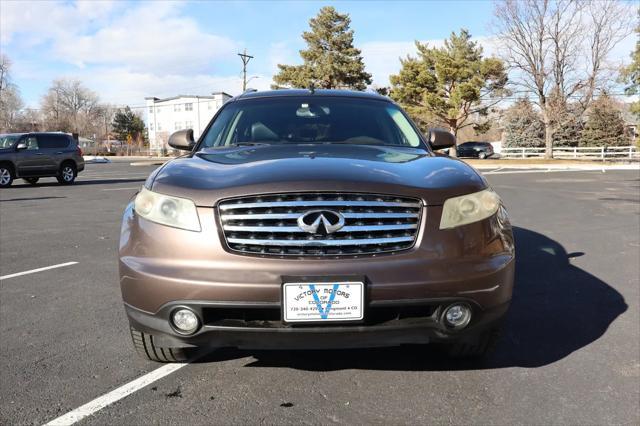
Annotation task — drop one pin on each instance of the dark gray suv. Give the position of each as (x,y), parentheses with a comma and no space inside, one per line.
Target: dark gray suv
(31,156)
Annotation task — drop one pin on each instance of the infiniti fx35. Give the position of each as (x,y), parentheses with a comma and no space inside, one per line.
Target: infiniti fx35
(314,219)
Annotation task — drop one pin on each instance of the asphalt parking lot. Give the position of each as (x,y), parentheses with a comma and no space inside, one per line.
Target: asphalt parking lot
(570,353)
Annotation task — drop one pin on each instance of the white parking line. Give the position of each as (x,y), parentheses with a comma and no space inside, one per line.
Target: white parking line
(121,189)
(33,271)
(115,395)
(508,172)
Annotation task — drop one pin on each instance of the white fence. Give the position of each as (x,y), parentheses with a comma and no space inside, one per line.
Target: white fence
(581,153)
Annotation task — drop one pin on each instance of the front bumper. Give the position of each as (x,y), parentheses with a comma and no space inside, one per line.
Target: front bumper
(163,267)
(274,335)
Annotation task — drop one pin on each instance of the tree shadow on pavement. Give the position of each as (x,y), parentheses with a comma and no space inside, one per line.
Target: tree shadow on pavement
(557,308)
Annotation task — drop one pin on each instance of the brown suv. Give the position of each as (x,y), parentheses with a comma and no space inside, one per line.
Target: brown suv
(314,219)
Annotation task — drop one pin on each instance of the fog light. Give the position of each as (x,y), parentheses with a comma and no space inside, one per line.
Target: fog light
(457,315)
(185,321)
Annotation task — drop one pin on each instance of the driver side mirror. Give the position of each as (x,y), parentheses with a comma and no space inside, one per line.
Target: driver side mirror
(441,138)
(21,146)
(182,139)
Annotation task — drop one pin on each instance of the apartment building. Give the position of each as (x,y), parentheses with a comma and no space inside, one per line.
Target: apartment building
(165,116)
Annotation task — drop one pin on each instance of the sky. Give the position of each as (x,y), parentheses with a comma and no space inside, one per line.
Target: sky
(126,51)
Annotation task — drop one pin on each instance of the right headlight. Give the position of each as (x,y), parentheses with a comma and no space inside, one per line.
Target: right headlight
(469,208)
(167,210)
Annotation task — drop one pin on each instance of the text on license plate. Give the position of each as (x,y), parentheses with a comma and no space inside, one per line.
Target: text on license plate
(325,301)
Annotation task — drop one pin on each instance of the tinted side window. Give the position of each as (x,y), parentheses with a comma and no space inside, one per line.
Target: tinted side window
(53,141)
(31,142)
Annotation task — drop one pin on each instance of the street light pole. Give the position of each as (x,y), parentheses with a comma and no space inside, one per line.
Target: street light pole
(245,60)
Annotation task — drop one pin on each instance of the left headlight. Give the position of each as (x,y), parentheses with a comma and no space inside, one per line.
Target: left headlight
(166,210)
(469,208)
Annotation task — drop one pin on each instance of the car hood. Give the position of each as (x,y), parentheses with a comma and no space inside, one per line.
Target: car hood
(214,174)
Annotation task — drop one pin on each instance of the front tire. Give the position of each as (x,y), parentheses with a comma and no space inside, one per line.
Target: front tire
(6,176)
(31,180)
(67,174)
(474,347)
(146,348)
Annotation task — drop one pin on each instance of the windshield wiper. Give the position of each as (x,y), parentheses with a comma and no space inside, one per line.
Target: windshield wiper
(249,143)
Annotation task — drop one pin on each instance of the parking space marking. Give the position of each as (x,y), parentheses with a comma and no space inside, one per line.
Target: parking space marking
(121,189)
(33,271)
(506,172)
(115,395)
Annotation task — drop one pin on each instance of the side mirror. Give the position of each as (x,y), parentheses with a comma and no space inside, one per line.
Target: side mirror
(441,138)
(182,139)
(21,146)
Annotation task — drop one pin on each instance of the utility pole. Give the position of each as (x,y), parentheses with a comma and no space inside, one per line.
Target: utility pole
(245,60)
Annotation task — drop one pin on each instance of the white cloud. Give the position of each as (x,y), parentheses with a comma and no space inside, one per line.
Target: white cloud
(151,37)
(31,23)
(123,86)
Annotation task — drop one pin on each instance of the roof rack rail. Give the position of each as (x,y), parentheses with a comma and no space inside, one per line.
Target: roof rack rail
(250,90)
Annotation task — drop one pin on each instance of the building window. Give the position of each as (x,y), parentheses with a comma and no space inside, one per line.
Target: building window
(178,125)
(159,127)
(151,127)
(150,110)
(176,108)
(188,107)
(188,125)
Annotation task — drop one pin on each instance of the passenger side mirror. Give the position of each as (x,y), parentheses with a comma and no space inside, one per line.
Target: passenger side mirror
(441,138)
(21,146)
(182,139)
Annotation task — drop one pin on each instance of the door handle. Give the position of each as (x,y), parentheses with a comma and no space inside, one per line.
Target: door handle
(39,153)
(59,152)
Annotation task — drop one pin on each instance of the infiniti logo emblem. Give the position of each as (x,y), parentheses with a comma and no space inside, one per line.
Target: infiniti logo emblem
(321,221)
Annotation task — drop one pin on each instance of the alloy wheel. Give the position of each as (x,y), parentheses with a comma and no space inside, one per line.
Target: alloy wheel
(67,174)
(5,176)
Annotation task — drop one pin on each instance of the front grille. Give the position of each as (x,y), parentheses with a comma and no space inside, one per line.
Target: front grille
(268,224)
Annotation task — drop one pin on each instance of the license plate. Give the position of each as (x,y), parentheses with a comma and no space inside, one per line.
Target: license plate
(325,301)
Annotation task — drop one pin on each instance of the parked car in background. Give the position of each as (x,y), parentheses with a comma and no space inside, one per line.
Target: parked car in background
(31,156)
(314,219)
(475,149)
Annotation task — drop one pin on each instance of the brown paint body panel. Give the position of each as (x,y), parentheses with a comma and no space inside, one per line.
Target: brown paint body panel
(160,264)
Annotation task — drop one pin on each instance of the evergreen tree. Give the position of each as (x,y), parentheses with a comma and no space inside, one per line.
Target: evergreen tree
(127,125)
(523,126)
(330,61)
(631,73)
(604,125)
(452,83)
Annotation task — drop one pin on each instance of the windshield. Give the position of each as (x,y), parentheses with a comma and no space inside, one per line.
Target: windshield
(7,141)
(311,120)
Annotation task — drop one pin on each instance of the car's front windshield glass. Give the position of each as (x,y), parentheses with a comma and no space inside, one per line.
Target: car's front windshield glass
(311,120)
(7,141)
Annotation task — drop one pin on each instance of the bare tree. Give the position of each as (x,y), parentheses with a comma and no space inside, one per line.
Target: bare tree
(69,106)
(558,50)
(10,100)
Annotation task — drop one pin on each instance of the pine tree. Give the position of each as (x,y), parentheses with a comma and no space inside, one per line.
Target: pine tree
(453,83)
(523,126)
(127,125)
(605,125)
(631,73)
(330,61)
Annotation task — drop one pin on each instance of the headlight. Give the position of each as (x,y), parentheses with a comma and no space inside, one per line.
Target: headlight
(167,210)
(469,208)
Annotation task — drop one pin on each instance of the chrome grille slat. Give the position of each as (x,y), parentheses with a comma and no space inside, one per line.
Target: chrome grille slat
(267,225)
(321,243)
(311,203)
(266,216)
(296,229)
